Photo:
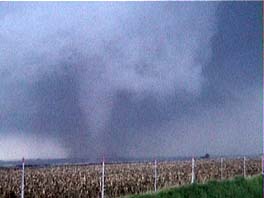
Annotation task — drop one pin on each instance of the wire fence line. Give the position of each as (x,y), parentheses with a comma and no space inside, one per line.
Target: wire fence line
(115,180)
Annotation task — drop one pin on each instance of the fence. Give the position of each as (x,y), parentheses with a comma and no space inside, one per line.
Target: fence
(120,179)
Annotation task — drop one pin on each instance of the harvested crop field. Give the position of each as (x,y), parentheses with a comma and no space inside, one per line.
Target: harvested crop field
(120,179)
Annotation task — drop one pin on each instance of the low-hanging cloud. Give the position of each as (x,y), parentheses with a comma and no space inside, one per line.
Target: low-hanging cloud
(15,145)
(233,128)
(91,52)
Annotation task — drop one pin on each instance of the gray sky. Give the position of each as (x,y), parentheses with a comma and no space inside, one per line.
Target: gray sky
(130,79)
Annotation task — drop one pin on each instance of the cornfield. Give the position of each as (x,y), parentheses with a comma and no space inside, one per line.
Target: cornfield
(120,179)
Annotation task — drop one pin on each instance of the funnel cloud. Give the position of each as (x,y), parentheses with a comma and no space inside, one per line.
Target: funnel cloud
(130,79)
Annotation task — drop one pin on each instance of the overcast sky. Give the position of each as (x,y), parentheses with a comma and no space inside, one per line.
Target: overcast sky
(130,79)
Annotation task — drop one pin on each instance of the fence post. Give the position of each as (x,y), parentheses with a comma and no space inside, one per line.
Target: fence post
(262,170)
(23,178)
(102,190)
(193,176)
(244,172)
(221,168)
(155,176)
(263,166)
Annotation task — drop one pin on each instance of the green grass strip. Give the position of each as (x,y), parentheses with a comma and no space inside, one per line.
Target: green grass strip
(236,188)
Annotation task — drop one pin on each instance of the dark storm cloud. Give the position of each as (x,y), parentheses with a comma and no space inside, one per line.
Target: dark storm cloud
(100,78)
